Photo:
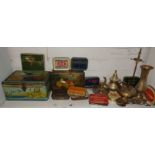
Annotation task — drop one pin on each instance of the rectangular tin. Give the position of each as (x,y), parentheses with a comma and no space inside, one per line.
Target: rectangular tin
(61,63)
(77,91)
(27,86)
(98,99)
(32,62)
(91,82)
(79,63)
(60,94)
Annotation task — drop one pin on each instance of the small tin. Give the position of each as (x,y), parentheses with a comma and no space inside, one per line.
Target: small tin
(79,63)
(33,62)
(150,95)
(91,82)
(75,98)
(77,91)
(60,94)
(61,64)
(98,99)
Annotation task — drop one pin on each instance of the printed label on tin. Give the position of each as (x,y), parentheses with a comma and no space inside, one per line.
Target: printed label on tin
(61,63)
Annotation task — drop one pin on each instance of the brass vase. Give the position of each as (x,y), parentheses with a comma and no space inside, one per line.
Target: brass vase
(145,69)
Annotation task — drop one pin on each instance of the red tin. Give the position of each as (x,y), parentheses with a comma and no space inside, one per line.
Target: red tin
(150,95)
(99,99)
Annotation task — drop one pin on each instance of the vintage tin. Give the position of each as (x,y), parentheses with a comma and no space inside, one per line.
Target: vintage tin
(150,95)
(75,98)
(79,63)
(30,84)
(60,94)
(98,99)
(65,79)
(91,82)
(32,62)
(62,80)
(25,86)
(61,63)
(77,91)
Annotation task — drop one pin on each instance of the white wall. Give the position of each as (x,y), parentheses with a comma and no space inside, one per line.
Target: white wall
(5,69)
(151,61)
(102,61)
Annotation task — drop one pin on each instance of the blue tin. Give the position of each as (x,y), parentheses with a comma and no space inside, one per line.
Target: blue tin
(79,63)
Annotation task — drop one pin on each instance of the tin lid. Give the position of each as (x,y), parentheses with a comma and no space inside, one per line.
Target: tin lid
(32,62)
(150,95)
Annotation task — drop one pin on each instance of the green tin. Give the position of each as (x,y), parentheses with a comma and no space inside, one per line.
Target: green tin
(30,84)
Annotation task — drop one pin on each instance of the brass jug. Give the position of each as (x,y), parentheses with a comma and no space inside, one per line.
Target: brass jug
(145,69)
(114,82)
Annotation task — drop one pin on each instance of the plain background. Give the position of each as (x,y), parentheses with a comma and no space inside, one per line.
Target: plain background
(82,23)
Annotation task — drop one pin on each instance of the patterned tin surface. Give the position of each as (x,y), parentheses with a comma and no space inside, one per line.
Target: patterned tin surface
(27,86)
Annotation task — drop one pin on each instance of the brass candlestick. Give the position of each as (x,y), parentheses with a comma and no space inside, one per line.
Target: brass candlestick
(133,80)
(137,60)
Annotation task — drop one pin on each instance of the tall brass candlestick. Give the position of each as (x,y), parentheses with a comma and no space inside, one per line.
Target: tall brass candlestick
(137,60)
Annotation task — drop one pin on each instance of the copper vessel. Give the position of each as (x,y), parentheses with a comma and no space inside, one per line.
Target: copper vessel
(145,69)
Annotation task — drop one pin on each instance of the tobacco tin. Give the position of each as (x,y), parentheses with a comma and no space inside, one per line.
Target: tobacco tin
(61,64)
(79,63)
(91,82)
